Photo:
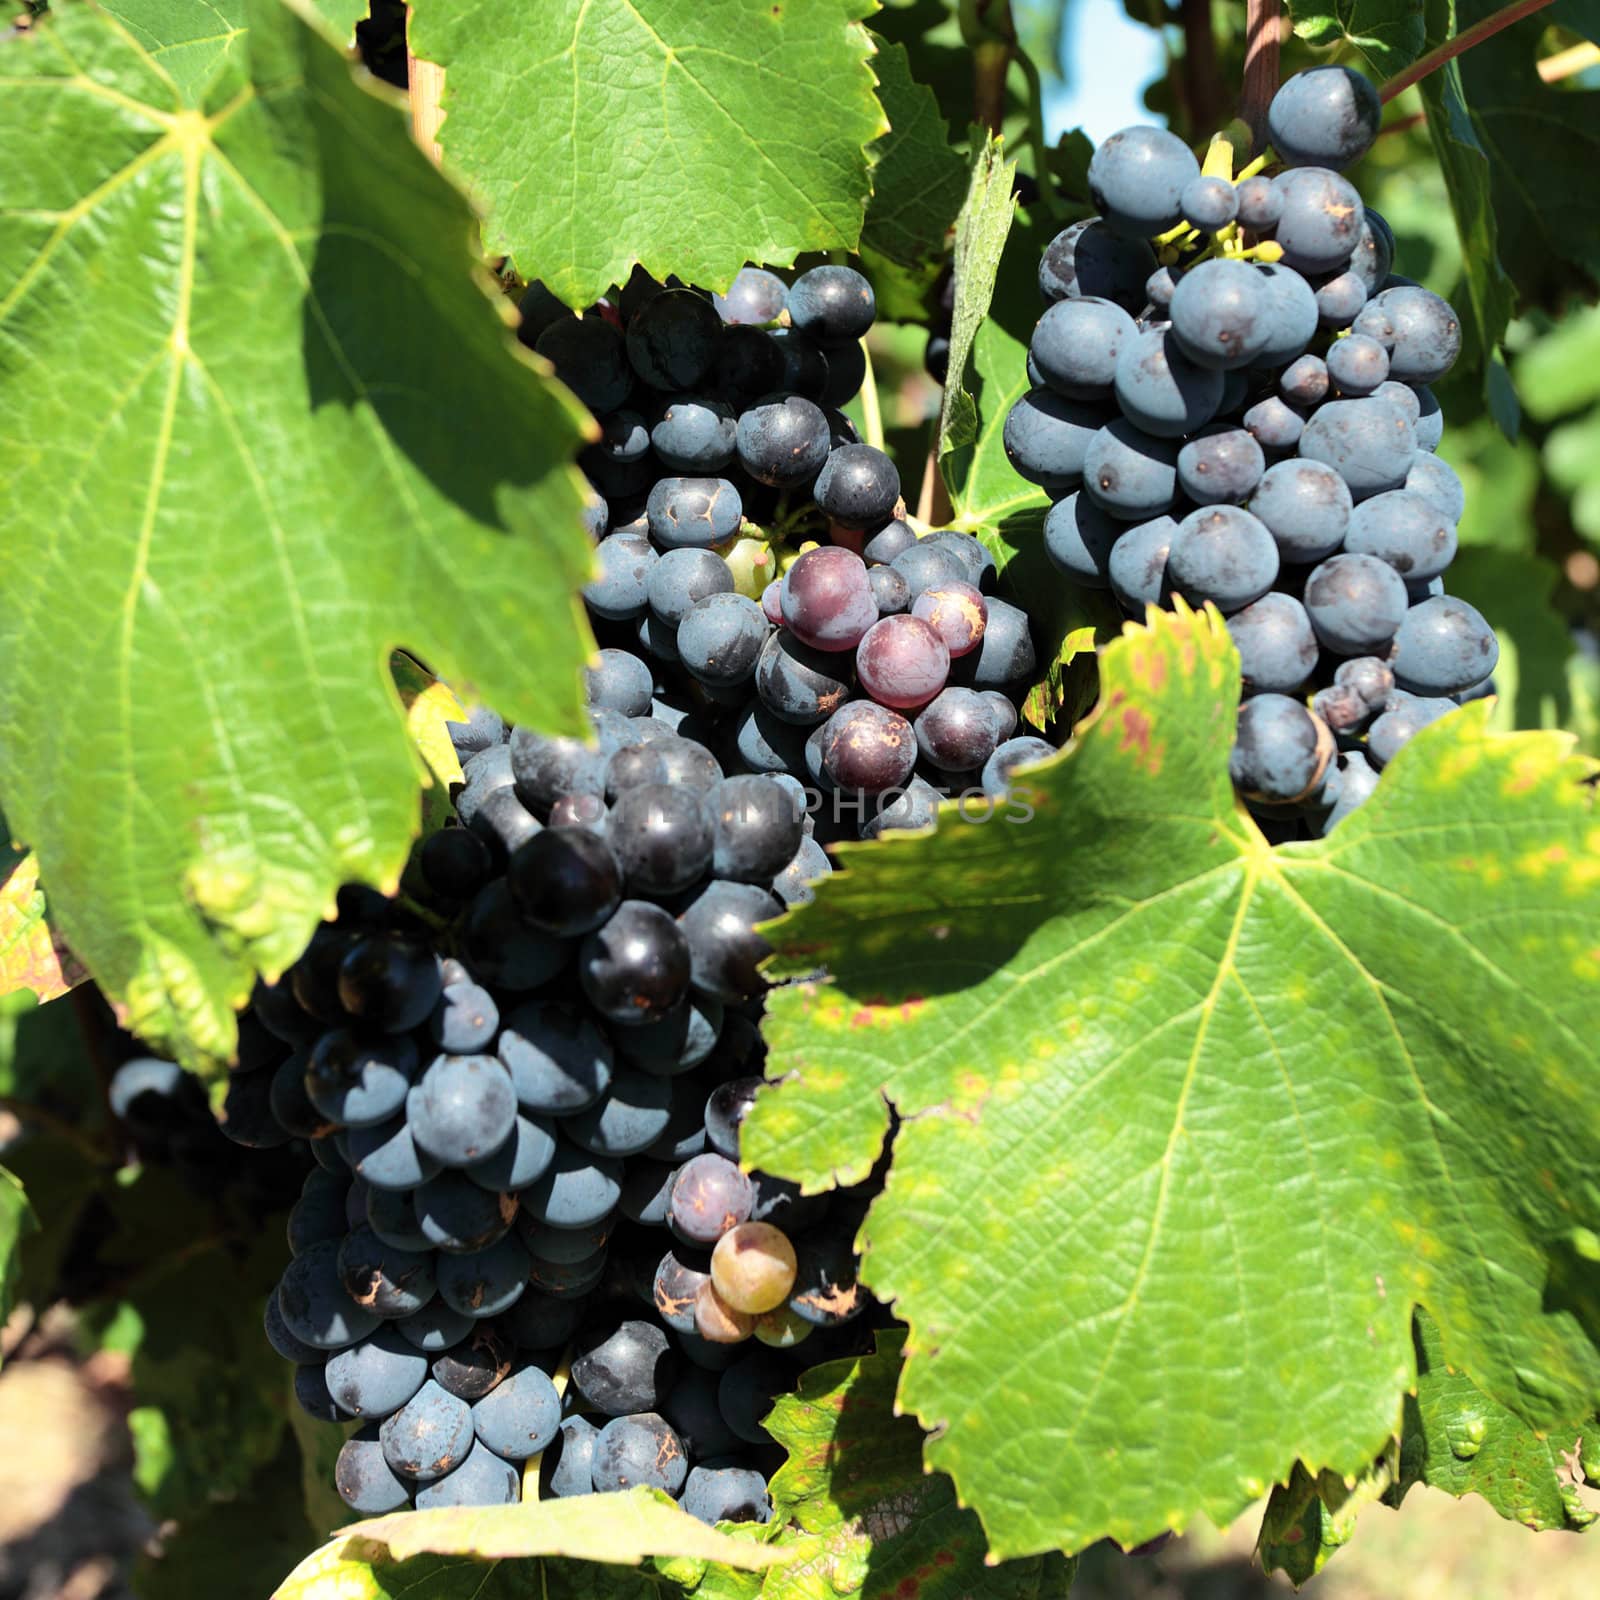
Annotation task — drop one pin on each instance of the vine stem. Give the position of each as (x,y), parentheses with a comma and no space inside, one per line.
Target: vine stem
(1200,76)
(871,411)
(426,84)
(1263,33)
(1046,179)
(1460,43)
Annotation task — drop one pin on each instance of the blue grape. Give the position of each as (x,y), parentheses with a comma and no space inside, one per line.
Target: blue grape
(1086,260)
(1274,424)
(358,1081)
(1276,644)
(1224,555)
(662,835)
(1321,221)
(1421,332)
(629,1117)
(1006,657)
(1355,603)
(623,1369)
(387,1157)
(482,1479)
(459,1217)
(469,1370)
(676,1286)
(1137,179)
(1078,537)
(726,1494)
(695,435)
(640,1450)
(784,441)
(804,370)
(1442,647)
(618,681)
(1436,482)
(957,731)
(635,968)
(377,1376)
(1130,474)
(926,565)
(391,1218)
(365,1481)
(1357,780)
(1401,395)
(971,551)
(1160,287)
(1369,443)
(284,1342)
(1137,567)
(1374,252)
(1259,204)
(1306,507)
(1399,725)
(1209,203)
(315,1305)
(1160,389)
(751,362)
(559,1059)
(1046,434)
(693,512)
(1280,752)
(754,298)
(858,486)
(1291,315)
(312,1394)
(435,1328)
(888,542)
(666,759)
(520,1417)
(588,355)
(1221,314)
(1014,753)
(794,886)
(574,1471)
(683,577)
(462,1109)
(466,1018)
(1357,365)
(831,304)
(720,639)
(483,1283)
(1325,116)
(847,369)
(619,464)
(1430,421)
(1340,299)
(387,1280)
(672,340)
(1221,464)
(799,685)
(520,1161)
(622,572)
(1304,382)
(504,823)
(647,1192)
(757,828)
(724,949)
(578,1189)
(1405,529)
(429,1436)
(1075,346)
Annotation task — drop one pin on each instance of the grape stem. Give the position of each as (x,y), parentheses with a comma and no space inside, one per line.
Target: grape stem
(871,412)
(1264,28)
(1424,65)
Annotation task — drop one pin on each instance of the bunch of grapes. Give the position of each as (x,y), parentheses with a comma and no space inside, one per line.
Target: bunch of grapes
(1232,404)
(528,1233)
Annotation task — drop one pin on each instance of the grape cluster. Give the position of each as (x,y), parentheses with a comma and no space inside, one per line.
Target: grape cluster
(1231,404)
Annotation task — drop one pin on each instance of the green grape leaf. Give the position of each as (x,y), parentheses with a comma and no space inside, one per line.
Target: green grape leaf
(446,1553)
(1390,34)
(918,181)
(1007,512)
(16,1222)
(1175,1107)
(33,956)
(868,1518)
(343,15)
(255,481)
(1309,1519)
(1457,1439)
(981,231)
(1464,162)
(689,138)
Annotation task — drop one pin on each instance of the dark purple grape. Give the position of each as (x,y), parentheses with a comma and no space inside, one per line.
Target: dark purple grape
(695,435)
(800,685)
(662,835)
(588,355)
(565,881)
(635,968)
(831,304)
(1321,221)
(1276,644)
(755,298)
(625,1368)
(1087,260)
(672,340)
(1078,537)
(710,1195)
(1443,647)
(858,486)
(1221,464)
(827,600)
(1356,604)
(1224,555)
(724,948)
(693,512)
(1280,751)
(455,863)
(1220,314)
(957,731)
(784,441)
(1075,346)
(640,1450)
(868,748)
(888,542)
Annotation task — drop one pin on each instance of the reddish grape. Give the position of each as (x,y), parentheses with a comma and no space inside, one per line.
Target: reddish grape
(867,747)
(956,612)
(902,662)
(826,599)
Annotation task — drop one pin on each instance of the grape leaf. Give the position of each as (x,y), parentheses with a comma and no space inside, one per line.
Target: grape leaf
(1178,1109)
(252,483)
(980,238)
(918,181)
(1309,1519)
(600,133)
(1389,33)
(1457,1439)
(606,1532)
(32,954)
(1007,512)
(869,1518)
